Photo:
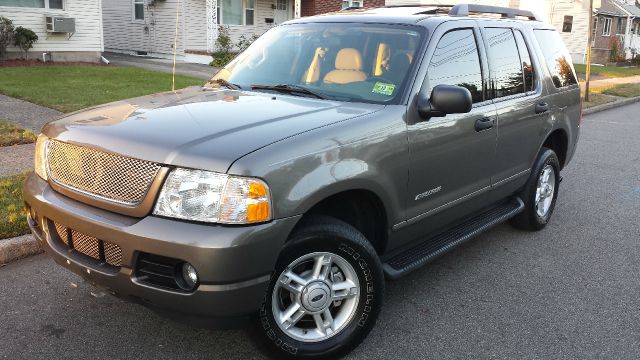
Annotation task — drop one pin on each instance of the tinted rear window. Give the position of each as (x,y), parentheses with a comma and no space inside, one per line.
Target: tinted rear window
(557,58)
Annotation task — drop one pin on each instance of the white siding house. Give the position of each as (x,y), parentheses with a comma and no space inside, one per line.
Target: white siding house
(148,27)
(559,13)
(84,44)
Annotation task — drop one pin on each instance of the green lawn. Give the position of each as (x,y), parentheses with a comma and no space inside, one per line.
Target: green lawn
(624,90)
(13,135)
(596,99)
(608,71)
(13,221)
(69,88)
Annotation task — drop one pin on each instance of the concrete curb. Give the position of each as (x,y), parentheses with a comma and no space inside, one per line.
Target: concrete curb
(18,247)
(610,105)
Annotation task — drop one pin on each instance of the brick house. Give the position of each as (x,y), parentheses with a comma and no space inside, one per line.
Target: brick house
(616,26)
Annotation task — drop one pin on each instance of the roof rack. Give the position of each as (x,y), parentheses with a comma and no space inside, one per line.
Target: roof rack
(466,9)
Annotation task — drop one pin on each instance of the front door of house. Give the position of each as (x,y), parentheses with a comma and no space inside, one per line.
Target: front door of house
(282,11)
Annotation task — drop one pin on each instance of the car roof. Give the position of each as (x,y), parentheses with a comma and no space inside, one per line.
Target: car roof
(413,14)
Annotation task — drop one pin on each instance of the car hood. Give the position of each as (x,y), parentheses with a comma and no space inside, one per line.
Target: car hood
(199,127)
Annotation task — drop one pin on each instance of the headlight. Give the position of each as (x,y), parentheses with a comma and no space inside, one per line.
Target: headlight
(207,196)
(40,161)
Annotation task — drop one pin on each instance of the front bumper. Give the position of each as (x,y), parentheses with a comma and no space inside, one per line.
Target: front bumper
(234,262)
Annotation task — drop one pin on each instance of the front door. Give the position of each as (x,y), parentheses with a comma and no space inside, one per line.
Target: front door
(282,11)
(451,157)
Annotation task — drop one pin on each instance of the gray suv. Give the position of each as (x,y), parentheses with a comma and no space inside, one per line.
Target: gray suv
(333,153)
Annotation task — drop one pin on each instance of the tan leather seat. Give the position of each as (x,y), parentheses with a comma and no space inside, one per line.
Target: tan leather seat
(348,68)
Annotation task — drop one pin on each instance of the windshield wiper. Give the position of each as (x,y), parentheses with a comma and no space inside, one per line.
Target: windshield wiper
(225,83)
(291,89)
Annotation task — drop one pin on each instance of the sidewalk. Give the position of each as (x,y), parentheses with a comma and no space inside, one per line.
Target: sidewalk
(25,114)
(16,159)
(602,83)
(204,72)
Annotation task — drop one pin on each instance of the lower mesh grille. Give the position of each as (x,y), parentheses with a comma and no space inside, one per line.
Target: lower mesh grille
(100,250)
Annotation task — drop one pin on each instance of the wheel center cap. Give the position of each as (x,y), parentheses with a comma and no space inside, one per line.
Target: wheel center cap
(316,296)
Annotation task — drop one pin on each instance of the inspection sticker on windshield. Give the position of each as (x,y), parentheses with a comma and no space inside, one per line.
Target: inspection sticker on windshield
(383,88)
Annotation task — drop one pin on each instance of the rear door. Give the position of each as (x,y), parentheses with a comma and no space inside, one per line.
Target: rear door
(523,113)
(451,158)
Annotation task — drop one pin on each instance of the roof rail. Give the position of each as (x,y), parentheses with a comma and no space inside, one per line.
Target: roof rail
(466,9)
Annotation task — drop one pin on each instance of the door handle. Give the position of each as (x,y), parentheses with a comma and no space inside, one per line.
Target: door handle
(483,124)
(542,108)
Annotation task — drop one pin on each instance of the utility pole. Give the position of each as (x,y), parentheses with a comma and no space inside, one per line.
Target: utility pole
(590,40)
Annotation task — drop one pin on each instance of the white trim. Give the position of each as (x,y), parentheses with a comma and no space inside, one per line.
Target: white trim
(133,11)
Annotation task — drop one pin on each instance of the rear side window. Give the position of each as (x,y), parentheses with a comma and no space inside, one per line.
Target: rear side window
(527,65)
(557,58)
(504,63)
(456,62)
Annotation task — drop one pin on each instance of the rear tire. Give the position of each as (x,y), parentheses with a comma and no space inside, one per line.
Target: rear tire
(540,193)
(325,293)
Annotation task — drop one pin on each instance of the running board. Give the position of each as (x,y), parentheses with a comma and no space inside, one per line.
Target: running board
(415,257)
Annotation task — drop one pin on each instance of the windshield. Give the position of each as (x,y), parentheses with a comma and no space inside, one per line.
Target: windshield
(342,61)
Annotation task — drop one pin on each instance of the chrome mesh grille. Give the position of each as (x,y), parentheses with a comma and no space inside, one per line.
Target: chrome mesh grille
(100,250)
(108,176)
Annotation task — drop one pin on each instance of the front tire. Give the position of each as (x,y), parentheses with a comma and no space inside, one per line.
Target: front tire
(540,193)
(325,293)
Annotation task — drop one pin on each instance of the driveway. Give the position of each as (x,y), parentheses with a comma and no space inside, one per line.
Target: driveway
(204,72)
(569,291)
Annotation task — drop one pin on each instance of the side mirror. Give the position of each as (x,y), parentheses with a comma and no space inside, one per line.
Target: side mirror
(444,99)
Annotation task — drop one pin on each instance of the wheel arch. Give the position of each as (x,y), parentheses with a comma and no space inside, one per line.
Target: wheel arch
(558,141)
(359,206)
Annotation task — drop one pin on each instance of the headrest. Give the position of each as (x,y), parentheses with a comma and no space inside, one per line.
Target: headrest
(349,59)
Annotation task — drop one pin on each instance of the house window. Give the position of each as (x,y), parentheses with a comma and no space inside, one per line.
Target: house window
(620,27)
(42,4)
(138,9)
(352,3)
(594,31)
(249,11)
(606,26)
(234,12)
(567,24)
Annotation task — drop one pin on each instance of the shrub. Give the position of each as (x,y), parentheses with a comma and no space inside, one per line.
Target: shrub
(244,42)
(224,45)
(223,42)
(614,56)
(6,34)
(24,39)
(220,59)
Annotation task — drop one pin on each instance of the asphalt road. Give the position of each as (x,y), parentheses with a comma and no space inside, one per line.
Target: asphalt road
(570,291)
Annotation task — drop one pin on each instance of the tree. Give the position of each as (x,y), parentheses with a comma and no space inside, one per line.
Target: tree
(24,39)
(6,34)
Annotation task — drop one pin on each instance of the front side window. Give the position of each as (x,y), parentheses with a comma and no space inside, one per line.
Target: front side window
(606,26)
(138,9)
(557,58)
(456,62)
(42,4)
(527,66)
(342,61)
(507,77)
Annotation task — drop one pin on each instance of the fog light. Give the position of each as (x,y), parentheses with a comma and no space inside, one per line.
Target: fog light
(189,275)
